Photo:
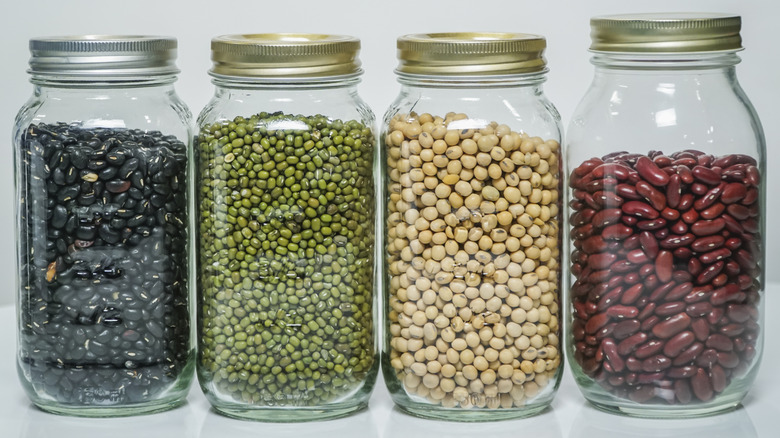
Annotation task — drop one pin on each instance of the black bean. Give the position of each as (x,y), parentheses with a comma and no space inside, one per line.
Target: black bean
(93,319)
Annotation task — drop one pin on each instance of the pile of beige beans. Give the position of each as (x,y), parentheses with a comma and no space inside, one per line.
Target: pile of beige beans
(473,261)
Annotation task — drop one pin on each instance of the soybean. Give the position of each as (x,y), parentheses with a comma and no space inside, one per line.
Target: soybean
(472,261)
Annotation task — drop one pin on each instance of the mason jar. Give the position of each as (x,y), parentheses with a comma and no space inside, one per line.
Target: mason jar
(285,258)
(666,159)
(471,160)
(101,169)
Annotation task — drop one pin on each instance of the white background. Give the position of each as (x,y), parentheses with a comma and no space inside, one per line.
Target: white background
(377,24)
(565,24)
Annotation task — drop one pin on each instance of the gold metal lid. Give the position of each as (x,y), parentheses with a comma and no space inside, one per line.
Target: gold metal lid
(103,56)
(284,56)
(665,33)
(470,54)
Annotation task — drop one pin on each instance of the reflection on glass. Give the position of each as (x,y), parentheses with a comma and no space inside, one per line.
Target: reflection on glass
(178,423)
(544,425)
(591,423)
(354,426)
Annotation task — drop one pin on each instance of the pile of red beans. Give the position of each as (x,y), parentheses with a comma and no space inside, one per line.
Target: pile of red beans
(667,281)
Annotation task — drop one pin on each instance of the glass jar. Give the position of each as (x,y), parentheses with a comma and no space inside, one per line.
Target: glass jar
(472,208)
(101,169)
(285,257)
(666,159)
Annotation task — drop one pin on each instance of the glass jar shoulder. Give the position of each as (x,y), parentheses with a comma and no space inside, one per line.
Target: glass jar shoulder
(337,103)
(700,110)
(525,109)
(156,108)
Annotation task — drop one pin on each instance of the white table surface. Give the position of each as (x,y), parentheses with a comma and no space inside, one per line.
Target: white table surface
(569,416)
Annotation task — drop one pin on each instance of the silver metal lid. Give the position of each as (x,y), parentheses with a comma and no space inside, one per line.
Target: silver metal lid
(103,56)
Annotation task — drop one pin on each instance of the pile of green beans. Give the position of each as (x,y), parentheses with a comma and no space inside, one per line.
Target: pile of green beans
(285,258)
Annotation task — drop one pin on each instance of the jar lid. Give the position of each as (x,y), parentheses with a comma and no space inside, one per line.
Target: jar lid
(105,56)
(284,56)
(470,53)
(665,33)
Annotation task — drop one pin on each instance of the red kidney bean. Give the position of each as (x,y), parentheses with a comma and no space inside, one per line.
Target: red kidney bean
(688,355)
(672,325)
(673,242)
(637,257)
(646,230)
(737,312)
(678,343)
(652,225)
(668,309)
(697,310)
(708,227)
(655,364)
(681,372)
(625,329)
(719,342)
(612,355)
(650,172)
(614,170)
(733,192)
(649,323)
(606,217)
(701,385)
(752,176)
(705,175)
(627,191)
(594,244)
(660,292)
(724,295)
(709,243)
(710,273)
(607,199)
(686,202)
(718,378)
(709,198)
(683,254)
(728,359)
(649,244)
(629,344)
(707,358)
(640,209)
(601,260)
(679,227)
(596,322)
(648,349)
(699,189)
(694,266)
(750,197)
(713,211)
(616,232)
(673,191)
(656,198)
(682,391)
(700,328)
(714,256)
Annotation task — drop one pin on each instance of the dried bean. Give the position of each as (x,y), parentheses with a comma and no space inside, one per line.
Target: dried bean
(671,258)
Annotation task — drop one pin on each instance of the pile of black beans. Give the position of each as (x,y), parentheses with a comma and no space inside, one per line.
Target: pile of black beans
(103,257)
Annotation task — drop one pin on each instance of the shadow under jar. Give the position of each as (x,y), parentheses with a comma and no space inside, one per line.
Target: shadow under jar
(286,239)
(101,157)
(666,164)
(471,163)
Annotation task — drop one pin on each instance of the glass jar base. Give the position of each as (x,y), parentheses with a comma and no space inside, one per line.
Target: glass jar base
(109,411)
(670,411)
(469,415)
(290,415)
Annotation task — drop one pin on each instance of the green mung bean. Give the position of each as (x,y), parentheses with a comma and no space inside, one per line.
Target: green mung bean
(285,263)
